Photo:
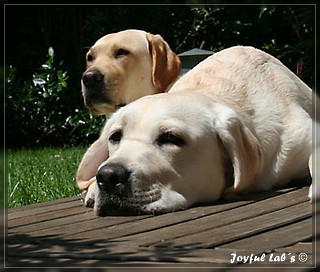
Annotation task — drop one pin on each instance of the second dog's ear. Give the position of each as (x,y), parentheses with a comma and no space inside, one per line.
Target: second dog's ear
(96,154)
(166,64)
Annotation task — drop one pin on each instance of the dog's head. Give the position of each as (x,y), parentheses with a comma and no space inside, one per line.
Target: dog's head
(124,66)
(167,152)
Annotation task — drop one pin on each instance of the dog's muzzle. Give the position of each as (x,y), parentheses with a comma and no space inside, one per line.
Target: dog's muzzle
(121,193)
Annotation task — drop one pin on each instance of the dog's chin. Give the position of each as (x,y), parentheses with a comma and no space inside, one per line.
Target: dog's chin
(153,204)
(102,109)
(111,208)
(115,206)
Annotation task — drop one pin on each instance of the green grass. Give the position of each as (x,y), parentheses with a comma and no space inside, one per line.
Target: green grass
(41,175)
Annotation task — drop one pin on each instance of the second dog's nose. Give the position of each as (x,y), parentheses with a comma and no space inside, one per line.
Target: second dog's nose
(92,77)
(112,175)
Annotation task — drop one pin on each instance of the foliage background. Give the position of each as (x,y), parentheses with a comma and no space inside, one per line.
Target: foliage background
(45,47)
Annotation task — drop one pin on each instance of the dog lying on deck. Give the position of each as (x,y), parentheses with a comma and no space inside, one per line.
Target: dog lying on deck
(124,66)
(238,122)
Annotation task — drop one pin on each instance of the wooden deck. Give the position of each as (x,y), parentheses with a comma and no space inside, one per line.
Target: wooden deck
(64,233)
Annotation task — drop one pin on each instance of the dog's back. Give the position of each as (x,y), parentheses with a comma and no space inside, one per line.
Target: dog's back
(273,101)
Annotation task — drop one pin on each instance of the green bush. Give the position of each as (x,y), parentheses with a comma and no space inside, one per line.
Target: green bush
(42,111)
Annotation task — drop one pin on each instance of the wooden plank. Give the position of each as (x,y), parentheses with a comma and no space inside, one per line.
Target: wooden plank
(65,226)
(55,222)
(42,217)
(162,221)
(196,227)
(42,263)
(276,238)
(43,204)
(43,209)
(76,251)
(306,247)
(245,228)
(56,264)
(135,254)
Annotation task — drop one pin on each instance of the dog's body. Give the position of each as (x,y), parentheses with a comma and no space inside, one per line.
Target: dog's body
(124,66)
(239,121)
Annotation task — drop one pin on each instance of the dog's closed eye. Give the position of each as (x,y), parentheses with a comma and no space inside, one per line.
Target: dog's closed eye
(121,53)
(115,137)
(170,138)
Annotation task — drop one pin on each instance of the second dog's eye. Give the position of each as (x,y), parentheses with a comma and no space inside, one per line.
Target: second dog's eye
(89,57)
(116,137)
(169,138)
(121,53)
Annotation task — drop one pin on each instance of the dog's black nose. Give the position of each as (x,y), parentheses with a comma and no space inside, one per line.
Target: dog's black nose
(92,77)
(112,175)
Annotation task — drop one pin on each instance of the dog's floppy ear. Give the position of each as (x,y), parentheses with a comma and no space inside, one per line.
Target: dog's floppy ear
(94,156)
(242,147)
(166,64)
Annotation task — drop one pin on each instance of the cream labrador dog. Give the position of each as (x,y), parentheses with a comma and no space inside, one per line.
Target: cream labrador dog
(237,122)
(124,66)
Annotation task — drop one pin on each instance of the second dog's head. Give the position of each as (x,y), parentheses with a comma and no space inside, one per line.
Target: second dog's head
(124,66)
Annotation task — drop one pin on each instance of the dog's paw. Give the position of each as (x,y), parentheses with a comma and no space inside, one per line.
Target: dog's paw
(89,203)
(88,196)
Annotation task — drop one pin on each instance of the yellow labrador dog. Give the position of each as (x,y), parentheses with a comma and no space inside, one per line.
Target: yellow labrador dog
(237,122)
(124,66)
